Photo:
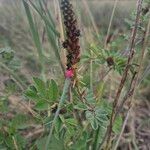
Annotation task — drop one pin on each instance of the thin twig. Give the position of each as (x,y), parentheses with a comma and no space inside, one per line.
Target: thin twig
(127,95)
(125,74)
(91,17)
(144,48)
(137,77)
(110,23)
(122,130)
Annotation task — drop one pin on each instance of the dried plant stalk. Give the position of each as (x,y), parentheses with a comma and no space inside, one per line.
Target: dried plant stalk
(125,74)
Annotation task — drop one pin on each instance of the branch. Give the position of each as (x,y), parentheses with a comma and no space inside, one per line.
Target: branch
(125,74)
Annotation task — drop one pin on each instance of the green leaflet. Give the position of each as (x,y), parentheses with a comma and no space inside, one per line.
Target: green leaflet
(97,117)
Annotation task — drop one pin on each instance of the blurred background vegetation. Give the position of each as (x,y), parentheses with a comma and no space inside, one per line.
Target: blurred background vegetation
(16,40)
(15,32)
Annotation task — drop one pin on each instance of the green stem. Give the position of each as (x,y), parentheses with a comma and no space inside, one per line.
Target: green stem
(91,75)
(62,100)
(95,144)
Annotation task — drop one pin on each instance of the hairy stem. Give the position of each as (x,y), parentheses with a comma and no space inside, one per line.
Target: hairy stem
(61,102)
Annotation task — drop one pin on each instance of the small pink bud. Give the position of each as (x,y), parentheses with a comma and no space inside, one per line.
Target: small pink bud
(69,73)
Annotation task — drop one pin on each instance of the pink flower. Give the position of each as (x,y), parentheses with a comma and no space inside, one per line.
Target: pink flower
(69,73)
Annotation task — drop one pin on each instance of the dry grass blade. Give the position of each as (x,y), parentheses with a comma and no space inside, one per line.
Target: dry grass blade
(36,38)
(51,31)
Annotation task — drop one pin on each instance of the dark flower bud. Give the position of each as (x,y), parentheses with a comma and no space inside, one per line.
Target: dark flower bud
(72,34)
(77,33)
(110,61)
(65,44)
